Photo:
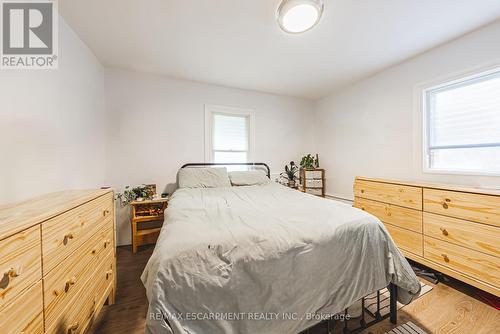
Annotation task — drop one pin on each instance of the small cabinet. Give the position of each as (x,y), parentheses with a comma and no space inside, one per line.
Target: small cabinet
(312,181)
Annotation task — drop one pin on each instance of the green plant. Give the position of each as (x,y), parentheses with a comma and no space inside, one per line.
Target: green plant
(131,194)
(291,172)
(308,161)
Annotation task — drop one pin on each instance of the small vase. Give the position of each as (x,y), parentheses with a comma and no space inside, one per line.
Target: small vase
(291,183)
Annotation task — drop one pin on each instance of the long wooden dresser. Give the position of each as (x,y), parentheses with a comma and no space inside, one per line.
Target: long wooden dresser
(455,230)
(57,261)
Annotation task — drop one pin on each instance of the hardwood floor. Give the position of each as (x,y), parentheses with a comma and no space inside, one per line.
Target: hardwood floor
(448,308)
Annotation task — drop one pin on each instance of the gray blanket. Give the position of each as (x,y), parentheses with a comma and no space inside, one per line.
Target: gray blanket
(265,259)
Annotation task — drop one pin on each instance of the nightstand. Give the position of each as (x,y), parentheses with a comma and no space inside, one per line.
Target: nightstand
(146,221)
(313,181)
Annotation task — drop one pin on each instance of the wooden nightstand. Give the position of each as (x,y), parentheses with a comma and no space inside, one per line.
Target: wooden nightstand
(313,181)
(144,216)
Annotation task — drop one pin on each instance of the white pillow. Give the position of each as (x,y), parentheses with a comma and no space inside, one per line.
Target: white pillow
(248,178)
(203,178)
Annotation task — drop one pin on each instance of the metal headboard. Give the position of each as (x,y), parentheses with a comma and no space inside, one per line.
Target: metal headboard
(201,164)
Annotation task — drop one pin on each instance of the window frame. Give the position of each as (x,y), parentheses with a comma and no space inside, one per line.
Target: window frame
(458,81)
(210,111)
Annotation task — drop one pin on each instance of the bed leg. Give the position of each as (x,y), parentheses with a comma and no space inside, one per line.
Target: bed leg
(378,316)
(346,329)
(363,321)
(393,291)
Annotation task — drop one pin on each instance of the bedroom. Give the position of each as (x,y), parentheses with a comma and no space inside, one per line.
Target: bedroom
(395,101)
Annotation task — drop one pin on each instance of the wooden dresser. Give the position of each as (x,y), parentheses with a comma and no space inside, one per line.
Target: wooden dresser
(454,230)
(57,261)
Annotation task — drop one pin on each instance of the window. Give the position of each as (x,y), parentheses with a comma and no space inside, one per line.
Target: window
(228,134)
(462,125)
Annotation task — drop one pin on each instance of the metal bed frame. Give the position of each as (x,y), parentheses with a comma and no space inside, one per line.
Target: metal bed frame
(202,164)
(330,324)
(392,315)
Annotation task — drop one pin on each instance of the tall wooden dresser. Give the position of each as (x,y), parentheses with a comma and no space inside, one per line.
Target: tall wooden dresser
(57,261)
(455,230)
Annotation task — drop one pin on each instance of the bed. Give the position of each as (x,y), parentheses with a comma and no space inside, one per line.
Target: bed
(266,259)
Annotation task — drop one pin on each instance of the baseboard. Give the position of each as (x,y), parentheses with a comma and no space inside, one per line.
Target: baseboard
(339,197)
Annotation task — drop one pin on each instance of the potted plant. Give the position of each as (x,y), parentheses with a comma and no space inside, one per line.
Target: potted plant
(131,194)
(291,173)
(308,161)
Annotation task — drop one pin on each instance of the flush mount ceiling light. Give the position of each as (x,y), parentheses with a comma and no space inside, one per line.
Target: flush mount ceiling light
(297,16)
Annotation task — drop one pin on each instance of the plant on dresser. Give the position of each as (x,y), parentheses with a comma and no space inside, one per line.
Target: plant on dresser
(73,234)
(453,229)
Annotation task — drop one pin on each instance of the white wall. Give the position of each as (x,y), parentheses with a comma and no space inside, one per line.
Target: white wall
(373,128)
(157,125)
(52,124)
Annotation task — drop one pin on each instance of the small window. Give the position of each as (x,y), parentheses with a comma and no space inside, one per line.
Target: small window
(228,134)
(462,125)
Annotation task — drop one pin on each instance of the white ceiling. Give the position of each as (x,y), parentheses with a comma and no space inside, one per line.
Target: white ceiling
(238,43)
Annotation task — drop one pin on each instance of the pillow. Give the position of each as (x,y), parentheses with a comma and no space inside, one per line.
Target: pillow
(203,178)
(248,178)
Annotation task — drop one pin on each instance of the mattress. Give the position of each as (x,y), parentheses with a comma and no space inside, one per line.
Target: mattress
(265,259)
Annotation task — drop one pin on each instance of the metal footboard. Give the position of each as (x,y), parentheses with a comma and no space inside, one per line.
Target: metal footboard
(363,324)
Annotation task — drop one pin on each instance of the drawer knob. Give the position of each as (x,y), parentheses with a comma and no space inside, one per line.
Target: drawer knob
(108,274)
(443,230)
(11,273)
(107,242)
(69,283)
(105,212)
(362,191)
(445,203)
(5,280)
(445,258)
(363,208)
(67,237)
(73,327)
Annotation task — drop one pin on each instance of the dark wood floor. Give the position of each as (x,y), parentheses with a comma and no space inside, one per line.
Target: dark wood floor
(448,308)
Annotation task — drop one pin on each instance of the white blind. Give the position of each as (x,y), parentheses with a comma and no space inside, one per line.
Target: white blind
(230,138)
(464,125)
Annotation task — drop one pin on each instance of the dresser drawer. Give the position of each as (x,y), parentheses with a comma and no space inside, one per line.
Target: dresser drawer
(481,237)
(392,214)
(78,314)
(20,263)
(313,174)
(67,232)
(475,207)
(25,313)
(104,277)
(69,278)
(475,264)
(408,240)
(314,191)
(314,183)
(406,196)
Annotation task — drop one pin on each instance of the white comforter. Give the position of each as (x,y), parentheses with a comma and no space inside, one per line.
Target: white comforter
(265,259)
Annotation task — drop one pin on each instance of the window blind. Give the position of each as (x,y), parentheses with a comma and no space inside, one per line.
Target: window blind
(463,128)
(230,138)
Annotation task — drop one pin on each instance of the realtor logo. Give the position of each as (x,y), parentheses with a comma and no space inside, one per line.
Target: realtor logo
(29,34)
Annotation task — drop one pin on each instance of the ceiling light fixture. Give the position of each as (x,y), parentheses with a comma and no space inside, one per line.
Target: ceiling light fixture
(298,16)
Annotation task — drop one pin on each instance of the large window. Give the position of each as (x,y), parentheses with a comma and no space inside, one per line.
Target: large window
(462,125)
(229,136)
